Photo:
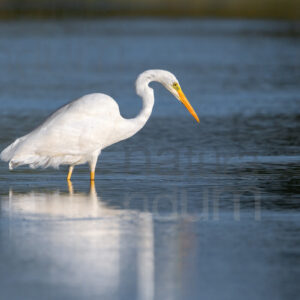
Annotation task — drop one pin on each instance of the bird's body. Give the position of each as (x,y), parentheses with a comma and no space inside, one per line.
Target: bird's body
(77,132)
(71,135)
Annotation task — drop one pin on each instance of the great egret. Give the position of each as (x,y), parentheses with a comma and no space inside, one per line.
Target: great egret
(77,132)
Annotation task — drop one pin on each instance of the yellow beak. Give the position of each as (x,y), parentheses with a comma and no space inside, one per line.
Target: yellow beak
(187,104)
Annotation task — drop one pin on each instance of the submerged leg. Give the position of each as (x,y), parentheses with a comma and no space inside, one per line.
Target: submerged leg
(70,172)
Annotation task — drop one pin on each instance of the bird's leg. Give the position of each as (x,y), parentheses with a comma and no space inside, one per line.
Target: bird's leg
(92,175)
(92,164)
(70,172)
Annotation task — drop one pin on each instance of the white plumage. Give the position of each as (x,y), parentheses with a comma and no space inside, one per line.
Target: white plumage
(77,132)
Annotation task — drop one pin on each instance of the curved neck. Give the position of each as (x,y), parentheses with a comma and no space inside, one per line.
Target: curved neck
(147,95)
(145,113)
(129,127)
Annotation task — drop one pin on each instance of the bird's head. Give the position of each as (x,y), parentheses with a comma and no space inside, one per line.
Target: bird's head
(170,82)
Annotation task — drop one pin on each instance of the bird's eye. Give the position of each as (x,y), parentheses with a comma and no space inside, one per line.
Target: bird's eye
(176,86)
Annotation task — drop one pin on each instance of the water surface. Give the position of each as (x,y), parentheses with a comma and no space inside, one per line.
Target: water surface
(179,211)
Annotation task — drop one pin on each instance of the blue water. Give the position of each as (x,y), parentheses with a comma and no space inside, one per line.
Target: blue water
(181,210)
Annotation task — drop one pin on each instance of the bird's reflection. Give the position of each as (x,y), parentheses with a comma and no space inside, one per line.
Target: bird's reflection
(57,204)
(78,233)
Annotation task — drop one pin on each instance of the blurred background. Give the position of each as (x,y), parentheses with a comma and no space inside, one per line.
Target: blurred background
(282,9)
(181,210)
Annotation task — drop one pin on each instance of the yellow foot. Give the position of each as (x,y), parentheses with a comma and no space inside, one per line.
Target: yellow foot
(92,176)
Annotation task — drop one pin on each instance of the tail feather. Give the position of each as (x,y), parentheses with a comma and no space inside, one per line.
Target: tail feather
(8,153)
(37,161)
(34,161)
(16,155)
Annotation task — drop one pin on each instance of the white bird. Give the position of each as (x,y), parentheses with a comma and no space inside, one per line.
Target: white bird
(77,132)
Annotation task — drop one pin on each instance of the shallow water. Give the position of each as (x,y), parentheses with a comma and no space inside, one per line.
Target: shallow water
(179,211)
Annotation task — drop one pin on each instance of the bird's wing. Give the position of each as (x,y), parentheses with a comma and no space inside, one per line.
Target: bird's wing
(80,127)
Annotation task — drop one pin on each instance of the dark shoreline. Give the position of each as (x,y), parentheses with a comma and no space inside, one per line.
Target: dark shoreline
(289,10)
